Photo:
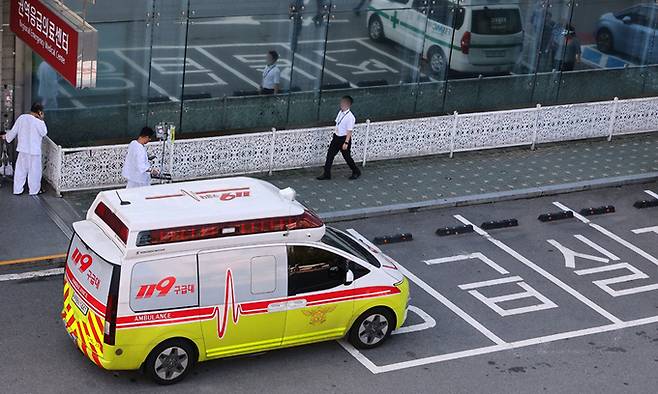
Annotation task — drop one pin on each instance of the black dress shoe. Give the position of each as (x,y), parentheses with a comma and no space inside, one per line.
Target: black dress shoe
(354,175)
(323,178)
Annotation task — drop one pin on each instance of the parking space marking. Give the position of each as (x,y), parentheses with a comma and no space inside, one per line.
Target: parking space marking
(492,282)
(450,305)
(31,274)
(470,256)
(428,322)
(570,255)
(492,302)
(608,233)
(375,369)
(541,271)
(144,73)
(596,247)
(652,194)
(604,283)
(235,72)
(652,229)
(325,69)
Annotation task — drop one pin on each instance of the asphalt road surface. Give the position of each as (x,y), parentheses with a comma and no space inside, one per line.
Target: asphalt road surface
(569,306)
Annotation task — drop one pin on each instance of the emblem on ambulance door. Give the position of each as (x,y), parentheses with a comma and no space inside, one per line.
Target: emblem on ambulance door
(319,314)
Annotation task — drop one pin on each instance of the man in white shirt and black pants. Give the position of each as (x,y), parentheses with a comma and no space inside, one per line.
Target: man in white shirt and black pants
(30,130)
(342,140)
(271,75)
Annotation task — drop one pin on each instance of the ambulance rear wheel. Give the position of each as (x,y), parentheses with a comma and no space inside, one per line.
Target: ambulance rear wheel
(372,328)
(437,62)
(170,361)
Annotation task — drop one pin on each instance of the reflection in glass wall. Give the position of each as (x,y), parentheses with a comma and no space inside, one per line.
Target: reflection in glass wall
(219,66)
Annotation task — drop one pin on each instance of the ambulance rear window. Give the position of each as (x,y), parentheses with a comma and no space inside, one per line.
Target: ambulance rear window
(88,274)
(496,21)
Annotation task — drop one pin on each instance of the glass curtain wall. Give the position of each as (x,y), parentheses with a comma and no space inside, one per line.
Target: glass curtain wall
(217,67)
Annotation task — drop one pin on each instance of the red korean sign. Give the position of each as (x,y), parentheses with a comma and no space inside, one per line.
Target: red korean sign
(50,35)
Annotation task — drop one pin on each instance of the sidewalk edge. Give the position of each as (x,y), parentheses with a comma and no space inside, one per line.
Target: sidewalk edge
(517,194)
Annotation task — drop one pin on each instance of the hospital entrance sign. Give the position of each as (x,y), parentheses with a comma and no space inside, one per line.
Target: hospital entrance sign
(62,39)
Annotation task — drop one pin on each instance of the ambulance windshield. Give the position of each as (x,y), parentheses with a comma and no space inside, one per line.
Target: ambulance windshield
(345,243)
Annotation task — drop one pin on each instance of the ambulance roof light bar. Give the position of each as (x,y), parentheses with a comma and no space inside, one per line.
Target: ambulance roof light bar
(228,229)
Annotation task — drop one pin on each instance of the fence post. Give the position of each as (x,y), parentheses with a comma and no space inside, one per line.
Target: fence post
(453,134)
(365,145)
(535,128)
(272,150)
(613,117)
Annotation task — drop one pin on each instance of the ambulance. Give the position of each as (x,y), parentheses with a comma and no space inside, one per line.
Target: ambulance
(161,277)
(473,36)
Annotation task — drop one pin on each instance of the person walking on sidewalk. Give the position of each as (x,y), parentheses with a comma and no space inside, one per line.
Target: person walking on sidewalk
(30,130)
(342,140)
(136,168)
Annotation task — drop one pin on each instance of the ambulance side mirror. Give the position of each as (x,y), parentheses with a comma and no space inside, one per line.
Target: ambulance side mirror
(349,277)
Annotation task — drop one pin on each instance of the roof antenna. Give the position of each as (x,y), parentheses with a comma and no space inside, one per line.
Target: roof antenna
(123,202)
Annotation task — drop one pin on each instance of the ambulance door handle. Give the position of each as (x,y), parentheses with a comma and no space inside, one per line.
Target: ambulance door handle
(276,307)
(296,304)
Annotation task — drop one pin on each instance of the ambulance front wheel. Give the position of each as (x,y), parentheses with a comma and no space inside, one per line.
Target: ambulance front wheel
(170,361)
(372,328)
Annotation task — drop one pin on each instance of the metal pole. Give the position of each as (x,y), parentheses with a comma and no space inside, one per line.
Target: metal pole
(613,117)
(272,150)
(535,128)
(453,134)
(365,145)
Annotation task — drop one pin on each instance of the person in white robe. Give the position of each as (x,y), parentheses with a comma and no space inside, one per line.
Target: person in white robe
(136,168)
(29,129)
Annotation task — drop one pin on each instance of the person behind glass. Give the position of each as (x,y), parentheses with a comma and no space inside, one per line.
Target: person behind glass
(136,168)
(271,75)
(341,140)
(568,53)
(30,130)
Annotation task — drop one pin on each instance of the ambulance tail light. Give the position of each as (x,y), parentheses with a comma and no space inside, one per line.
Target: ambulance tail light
(110,327)
(229,229)
(112,221)
(465,42)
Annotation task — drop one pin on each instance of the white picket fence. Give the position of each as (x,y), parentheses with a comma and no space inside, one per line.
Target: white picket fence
(70,169)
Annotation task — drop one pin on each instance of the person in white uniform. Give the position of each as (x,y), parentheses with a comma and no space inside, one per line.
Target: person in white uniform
(136,168)
(341,141)
(30,130)
(271,75)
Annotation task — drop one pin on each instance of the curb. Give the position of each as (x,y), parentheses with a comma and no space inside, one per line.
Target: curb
(363,213)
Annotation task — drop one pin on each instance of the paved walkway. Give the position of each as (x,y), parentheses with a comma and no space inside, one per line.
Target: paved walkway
(396,185)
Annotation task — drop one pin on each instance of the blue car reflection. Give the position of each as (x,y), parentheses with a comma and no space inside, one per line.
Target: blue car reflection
(629,32)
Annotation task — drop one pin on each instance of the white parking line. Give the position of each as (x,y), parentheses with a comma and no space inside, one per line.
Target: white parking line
(454,308)
(462,257)
(609,234)
(596,247)
(227,67)
(145,74)
(652,194)
(428,322)
(317,65)
(31,274)
(492,282)
(541,271)
(375,369)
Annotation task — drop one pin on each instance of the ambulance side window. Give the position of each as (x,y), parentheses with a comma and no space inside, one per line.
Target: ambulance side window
(313,269)
(263,274)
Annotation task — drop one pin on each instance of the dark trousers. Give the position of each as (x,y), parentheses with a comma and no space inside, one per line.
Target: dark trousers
(336,146)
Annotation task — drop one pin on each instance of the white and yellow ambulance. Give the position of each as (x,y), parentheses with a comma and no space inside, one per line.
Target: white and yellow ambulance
(473,36)
(164,276)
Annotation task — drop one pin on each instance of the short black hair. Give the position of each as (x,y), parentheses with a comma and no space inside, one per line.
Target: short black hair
(147,132)
(36,107)
(348,98)
(274,54)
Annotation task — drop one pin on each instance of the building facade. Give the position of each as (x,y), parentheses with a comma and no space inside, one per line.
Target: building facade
(200,64)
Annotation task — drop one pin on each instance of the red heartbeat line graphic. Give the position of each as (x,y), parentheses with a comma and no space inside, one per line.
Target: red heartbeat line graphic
(236,309)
